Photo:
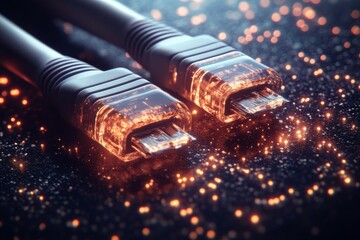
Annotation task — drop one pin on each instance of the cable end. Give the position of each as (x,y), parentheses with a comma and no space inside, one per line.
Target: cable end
(256,102)
(160,139)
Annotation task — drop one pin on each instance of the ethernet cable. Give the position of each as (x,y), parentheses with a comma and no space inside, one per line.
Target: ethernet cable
(221,80)
(125,113)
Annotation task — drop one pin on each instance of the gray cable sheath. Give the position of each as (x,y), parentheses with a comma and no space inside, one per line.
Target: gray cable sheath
(23,54)
(107,18)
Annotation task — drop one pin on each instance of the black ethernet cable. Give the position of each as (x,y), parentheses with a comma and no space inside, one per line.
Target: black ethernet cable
(125,113)
(226,83)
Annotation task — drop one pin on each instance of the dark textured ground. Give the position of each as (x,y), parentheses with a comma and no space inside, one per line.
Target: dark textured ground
(296,172)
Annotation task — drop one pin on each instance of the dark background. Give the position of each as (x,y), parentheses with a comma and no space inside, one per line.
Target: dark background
(55,183)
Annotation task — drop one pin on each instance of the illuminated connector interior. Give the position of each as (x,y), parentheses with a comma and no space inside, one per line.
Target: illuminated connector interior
(160,139)
(115,121)
(219,83)
(257,101)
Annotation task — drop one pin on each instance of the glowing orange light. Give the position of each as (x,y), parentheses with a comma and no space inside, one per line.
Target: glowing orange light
(14,92)
(253,28)
(254,218)
(189,211)
(183,212)
(284,10)
(309,13)
(297,9)
(335,30)
(355,30)
(24,102)
(267,34)
(249,15)
(265,3)
(330,191)
(115,237)
(145,231)
(174,203)
(75,223)
(276,17)
(194,220)
(322,21)
(182,11)
(347,180)
(222,36)
(238,213)
(199,19)
(355,14)
(277,33)
(260,38)
(144,209)
(212,185)
(156,14)
(244,6)
(210,234)
(4,80)
(215,198)
(42,226)
(347,44)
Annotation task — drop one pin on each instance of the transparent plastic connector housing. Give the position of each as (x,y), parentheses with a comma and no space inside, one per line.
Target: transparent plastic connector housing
(117,120)
(215,83)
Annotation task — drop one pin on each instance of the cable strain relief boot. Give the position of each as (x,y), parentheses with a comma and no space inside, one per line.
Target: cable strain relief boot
(143,35)
(60,69)
(55,74)
(174,55)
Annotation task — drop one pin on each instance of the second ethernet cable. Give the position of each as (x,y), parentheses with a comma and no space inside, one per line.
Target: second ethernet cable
(125,113)
(224,82)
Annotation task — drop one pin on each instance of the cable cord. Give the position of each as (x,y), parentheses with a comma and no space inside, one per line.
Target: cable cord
(125,113)
(115,16)
(221,80)
(22,53)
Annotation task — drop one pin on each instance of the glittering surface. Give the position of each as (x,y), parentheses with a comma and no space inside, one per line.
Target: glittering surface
(293,174)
